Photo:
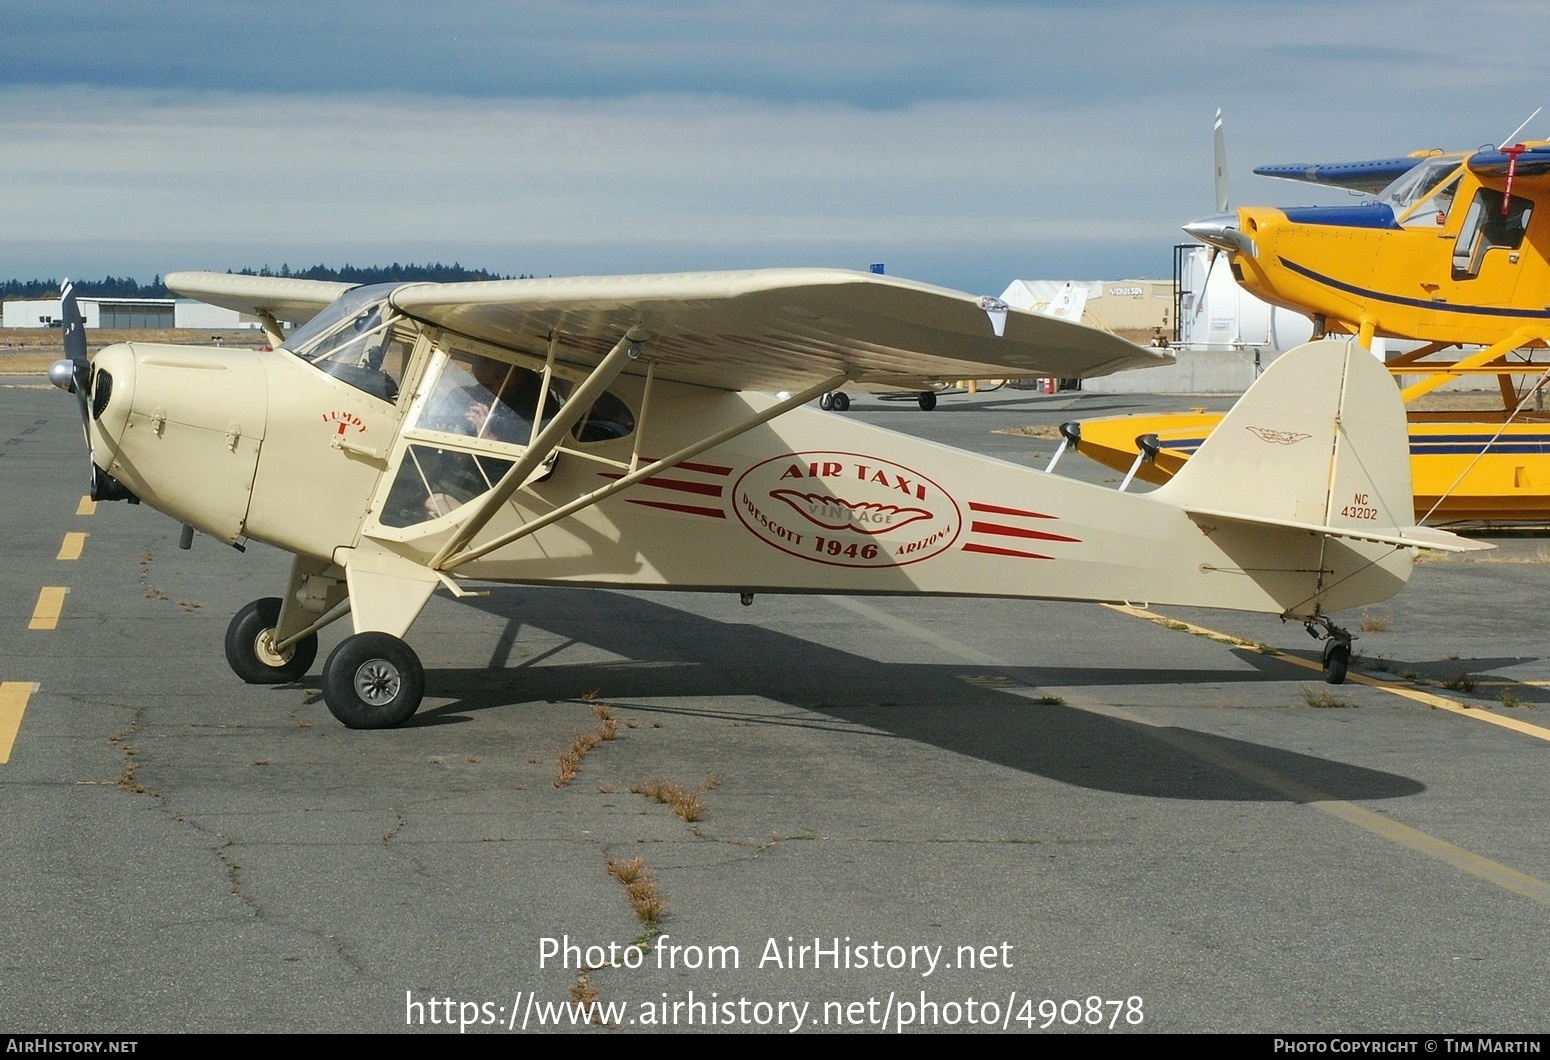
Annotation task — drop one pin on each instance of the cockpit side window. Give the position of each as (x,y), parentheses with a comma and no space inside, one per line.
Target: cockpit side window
(475,413)
(485,398)
(1488,226)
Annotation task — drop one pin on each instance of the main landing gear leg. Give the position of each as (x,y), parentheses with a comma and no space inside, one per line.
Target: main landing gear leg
(1337,648)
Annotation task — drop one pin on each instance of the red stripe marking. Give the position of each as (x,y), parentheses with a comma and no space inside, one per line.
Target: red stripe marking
(688,509)
(1017,531)
(975,506)
(708,489)
(709,469)
(991,550)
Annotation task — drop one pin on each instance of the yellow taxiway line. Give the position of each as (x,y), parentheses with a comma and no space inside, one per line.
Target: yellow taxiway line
(71,548)
(1381,825)
(51,601)
(13,703)
(1473,712)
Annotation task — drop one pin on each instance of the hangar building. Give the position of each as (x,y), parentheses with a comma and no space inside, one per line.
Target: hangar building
(127,313)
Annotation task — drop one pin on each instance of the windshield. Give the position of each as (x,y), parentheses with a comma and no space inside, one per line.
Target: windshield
(355,340)
(1415,185)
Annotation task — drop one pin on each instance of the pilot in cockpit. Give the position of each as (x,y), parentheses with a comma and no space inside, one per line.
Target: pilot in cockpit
(486,398)
(476,396)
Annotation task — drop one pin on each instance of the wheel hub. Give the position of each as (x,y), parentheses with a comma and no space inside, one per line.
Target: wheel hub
(377,682)
(264,649)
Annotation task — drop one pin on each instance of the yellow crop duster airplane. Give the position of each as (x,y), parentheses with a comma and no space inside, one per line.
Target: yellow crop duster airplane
(1444,254)
(1451,252)
(647,432)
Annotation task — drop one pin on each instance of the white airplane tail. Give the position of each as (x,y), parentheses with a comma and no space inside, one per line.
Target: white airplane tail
(1319,444)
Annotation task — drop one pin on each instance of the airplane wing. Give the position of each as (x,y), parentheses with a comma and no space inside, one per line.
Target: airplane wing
(1370,177)
(297,301)
(777,329)
(1521,162)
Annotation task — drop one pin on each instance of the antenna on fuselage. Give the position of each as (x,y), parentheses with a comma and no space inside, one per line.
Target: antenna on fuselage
(1220,145)
(1512,137)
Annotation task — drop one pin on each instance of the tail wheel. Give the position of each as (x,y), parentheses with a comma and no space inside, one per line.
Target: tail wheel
(373,681)
(250,649)
(1337,660)
(839,401)
(927,400)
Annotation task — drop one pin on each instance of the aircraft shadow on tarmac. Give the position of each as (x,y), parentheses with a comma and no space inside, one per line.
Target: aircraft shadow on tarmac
(676,656)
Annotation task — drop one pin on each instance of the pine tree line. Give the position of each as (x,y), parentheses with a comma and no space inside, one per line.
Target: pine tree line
(128,287)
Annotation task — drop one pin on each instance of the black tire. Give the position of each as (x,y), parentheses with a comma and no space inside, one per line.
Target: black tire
(248,652)
(840,402)
(373,681)
(1337,660)
(826,402)
(927,400)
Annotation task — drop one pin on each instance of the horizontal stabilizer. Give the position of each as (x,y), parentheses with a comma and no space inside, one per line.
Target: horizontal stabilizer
(1405,537)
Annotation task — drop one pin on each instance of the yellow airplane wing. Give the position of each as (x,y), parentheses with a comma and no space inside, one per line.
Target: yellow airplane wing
(776,329)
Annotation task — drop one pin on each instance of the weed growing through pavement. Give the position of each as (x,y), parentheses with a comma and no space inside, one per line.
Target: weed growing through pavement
(685,803)
(1463,681)
(569,760)
(1375,623)
(640,890)
(1323,699)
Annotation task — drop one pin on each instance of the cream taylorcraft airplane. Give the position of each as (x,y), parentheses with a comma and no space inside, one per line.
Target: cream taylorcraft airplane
(647,432)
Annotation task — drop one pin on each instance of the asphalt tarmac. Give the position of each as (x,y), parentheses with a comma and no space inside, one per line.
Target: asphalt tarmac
(940,813)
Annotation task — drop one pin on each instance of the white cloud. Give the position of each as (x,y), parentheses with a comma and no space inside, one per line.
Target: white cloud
(961,142)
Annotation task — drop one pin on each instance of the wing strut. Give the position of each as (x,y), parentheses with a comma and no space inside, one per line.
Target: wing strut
(1485,356)
(272,329)
(450,559)
(576,406)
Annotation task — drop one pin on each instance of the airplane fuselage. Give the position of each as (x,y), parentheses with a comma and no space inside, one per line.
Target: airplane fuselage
(265,446)
(1400,280)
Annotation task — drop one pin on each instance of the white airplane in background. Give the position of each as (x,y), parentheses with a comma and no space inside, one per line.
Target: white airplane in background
(648,432)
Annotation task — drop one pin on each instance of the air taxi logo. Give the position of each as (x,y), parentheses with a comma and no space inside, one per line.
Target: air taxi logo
(847,509)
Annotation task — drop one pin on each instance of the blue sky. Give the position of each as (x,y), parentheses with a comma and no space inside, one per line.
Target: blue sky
(963,143)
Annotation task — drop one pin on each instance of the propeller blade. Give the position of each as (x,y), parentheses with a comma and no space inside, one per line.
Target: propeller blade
(74,324)
(73,373)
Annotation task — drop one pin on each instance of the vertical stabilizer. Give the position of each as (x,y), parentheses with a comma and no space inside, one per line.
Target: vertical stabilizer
(1319,441)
